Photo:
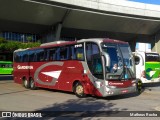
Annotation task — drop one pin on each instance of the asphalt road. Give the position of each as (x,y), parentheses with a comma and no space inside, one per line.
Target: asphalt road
(14,97)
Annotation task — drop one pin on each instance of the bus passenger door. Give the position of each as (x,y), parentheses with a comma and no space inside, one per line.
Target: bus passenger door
(95,65)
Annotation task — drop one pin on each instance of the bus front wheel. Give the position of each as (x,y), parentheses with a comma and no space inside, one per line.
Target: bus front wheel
(79,90)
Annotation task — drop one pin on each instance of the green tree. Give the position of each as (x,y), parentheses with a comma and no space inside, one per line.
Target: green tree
(29,38)
(2,40)
(13,45)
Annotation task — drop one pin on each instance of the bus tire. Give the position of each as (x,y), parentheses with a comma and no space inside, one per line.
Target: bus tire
(32,84)
(79,90)
(25,83)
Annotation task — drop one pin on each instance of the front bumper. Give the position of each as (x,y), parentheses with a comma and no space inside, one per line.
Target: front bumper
(119,91)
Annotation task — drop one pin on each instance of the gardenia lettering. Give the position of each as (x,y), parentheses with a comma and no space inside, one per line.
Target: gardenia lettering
(110,83)
(24,67)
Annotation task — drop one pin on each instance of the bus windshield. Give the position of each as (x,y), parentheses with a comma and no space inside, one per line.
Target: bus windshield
(152,57)
(120,64)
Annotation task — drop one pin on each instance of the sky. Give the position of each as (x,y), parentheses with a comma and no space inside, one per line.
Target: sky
(157,2)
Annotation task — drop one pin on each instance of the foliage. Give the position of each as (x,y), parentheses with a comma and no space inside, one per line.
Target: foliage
(2,40)
(29,38)
(13,45)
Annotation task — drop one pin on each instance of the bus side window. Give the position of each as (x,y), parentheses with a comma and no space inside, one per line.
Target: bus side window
(15,57)
(57,54)
(73,51)
(79,56)
(69,53)
(6,66)
(2,65)
(46,54)
(32,56)
(25,56)
(52,52)
(20,55)
(9,65)
(63,53)
(80,53)
(40,55)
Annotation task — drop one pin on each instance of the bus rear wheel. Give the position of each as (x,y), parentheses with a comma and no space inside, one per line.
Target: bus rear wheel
(26,83)
(32,85)
(79,90)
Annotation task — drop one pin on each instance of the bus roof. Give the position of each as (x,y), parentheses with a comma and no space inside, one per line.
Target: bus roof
(52,43)
(114,41)
(97,40)
(21,50)
(102,40)
(61,43)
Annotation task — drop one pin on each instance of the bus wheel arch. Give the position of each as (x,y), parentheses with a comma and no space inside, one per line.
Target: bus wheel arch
(25,82)
(78,89)
(32,84)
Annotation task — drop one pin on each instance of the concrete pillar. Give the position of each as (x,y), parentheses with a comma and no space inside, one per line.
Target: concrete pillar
(156,47)
(53,35)
(58,31)
(132,45)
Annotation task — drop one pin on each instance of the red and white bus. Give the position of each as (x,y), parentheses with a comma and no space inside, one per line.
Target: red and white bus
(83,67)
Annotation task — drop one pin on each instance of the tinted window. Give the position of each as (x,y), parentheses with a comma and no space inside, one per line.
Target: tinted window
(79,51)
(40,55)
(5,65)
(64,53)
(25,56)
(16,57)
(46,54)
(69,52)
(32,56)
(52,53)
(21,56)
(94,60)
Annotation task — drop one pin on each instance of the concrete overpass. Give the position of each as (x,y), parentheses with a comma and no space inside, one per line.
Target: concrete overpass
(75,19)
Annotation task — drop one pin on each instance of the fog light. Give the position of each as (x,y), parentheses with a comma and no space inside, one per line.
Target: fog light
(134,84)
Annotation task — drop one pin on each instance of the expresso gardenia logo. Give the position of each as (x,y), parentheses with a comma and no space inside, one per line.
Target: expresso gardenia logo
(24,67)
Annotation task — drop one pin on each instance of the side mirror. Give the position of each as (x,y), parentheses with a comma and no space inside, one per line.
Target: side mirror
(107,59)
